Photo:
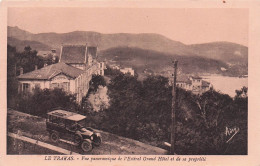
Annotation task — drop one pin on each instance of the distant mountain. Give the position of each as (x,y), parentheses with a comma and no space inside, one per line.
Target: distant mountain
(227,53)
(103,41)
(20,44)
(153,62)
(18,33)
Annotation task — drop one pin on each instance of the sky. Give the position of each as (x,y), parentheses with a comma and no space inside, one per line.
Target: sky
(187,25)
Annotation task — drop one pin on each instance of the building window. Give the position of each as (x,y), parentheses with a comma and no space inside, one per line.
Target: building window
(26,87)
(54,85)
(64,85)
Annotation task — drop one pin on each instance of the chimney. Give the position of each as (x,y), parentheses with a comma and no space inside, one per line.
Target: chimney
(60,52)
(53,50)
(36,67)
(86,54)
(21,71)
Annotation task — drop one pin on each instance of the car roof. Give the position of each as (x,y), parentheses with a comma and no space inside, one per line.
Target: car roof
(67,115)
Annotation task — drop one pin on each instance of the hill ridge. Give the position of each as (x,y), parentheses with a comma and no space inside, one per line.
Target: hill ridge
(126,33)
(228,52)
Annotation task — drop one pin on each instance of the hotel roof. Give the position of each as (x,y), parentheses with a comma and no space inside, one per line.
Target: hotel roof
(73,54)
(51,71)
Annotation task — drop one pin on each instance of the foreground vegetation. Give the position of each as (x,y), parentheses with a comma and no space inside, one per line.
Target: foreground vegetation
(141,110)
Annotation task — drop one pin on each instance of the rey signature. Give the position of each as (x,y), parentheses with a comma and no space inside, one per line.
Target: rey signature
(231,132)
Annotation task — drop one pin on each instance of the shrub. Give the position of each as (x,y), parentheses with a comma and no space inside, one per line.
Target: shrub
(41,101)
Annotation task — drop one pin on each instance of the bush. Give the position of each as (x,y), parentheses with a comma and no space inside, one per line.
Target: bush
(96,81)
(41,101)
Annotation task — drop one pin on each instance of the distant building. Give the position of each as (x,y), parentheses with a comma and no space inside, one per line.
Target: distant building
(123,70)
(148,71)
(184,82)
(193,83)
(73,73)
(223,69)
(115,67)
(128,70)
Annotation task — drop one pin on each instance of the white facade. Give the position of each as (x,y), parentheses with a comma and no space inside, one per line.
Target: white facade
(184,85)
(196,85)
(72,75)
(78,86)
(29,85)
(128,70)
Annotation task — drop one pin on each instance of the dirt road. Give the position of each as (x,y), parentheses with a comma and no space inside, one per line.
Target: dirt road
(34,127)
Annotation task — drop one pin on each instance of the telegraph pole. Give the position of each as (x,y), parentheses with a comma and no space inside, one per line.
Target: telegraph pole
(174,107)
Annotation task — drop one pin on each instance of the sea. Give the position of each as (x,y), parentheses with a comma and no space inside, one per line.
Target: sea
(225,84)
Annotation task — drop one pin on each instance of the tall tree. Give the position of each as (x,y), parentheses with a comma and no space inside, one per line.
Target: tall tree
(12,84)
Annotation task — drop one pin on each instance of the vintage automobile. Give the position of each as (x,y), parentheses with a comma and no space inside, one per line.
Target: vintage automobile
(69,127)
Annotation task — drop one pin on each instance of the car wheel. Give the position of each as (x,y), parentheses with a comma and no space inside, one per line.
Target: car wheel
(54,137)
(97,141)
(86,146)
(77,139)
